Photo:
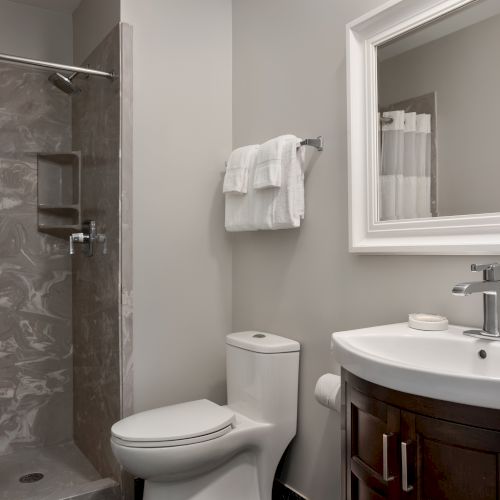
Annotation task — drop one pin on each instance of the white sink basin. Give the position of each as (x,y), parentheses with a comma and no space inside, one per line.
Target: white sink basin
(443,365)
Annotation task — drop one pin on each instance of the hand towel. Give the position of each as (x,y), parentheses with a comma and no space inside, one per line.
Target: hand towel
(236,176)
(269,162)
(240,210)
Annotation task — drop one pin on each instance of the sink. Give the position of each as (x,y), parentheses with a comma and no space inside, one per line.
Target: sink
(443,365)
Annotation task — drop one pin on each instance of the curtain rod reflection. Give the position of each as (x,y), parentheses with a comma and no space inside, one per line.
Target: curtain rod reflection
(386,120)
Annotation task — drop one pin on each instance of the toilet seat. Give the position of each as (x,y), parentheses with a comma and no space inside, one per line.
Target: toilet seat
(175,425)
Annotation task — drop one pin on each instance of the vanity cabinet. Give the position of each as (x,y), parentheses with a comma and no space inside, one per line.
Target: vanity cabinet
(401,446)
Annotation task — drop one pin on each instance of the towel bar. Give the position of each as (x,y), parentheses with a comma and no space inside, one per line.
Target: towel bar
(315,143)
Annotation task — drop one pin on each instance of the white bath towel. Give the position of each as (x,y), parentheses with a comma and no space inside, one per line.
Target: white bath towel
(288,203)
(265,209)
(236,176)
(268,173)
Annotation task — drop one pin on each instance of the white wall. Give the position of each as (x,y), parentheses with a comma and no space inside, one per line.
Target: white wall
(182,256)
(92,21)
(289,69)
(35,33)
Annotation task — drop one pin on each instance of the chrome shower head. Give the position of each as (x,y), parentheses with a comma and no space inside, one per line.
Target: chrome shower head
(65,83)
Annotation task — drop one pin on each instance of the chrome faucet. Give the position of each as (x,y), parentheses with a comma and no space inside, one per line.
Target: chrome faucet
(490,288)
(89,237)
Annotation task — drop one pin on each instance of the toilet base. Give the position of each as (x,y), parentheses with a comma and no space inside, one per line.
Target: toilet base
(236,479)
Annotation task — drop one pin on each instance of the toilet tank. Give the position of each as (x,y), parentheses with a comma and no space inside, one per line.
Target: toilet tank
(262,376)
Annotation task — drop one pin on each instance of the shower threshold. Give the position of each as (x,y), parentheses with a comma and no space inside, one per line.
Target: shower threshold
(59,472)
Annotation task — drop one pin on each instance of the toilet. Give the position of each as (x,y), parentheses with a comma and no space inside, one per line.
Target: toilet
(200,450)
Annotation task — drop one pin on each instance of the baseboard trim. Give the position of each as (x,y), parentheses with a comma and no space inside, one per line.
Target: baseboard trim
(282,491)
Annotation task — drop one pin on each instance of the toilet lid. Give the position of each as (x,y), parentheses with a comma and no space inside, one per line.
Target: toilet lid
(175,422)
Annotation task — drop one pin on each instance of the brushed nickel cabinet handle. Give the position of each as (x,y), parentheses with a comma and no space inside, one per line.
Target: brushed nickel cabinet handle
(386,475)
(404,466)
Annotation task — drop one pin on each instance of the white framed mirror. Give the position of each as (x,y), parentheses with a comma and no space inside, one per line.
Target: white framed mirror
(424,128)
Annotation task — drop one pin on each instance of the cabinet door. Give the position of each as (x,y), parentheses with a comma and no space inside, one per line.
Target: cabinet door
(452,461)
(372,451)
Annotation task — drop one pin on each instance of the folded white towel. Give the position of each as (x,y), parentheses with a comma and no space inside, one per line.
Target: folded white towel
(240,211)
(288,204)
(236,176)
(269,162)
(278,208)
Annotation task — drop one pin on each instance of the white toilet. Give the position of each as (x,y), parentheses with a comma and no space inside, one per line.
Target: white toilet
(202,451)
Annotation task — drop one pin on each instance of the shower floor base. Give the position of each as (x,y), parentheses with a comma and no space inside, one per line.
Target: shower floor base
(67,474)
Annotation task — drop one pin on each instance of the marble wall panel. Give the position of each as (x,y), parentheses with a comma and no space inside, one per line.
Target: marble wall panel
(35,269)
(96,280)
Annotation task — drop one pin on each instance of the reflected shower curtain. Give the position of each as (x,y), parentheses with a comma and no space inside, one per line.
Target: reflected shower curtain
(405,166)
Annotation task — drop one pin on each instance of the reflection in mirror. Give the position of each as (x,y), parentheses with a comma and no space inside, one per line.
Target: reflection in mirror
(439,110)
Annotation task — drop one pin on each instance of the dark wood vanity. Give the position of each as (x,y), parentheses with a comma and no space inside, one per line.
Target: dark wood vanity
(401,446)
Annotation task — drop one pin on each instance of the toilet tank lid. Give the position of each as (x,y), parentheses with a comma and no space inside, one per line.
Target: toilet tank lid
(262,342)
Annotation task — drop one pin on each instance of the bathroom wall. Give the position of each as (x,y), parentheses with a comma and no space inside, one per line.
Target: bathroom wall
(96,283)
(35,269)
(92,21)
(289,71)
(467,111)
(182,256)
(29,31)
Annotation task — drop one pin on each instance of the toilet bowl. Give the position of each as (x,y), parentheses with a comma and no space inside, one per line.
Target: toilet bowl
(199,450)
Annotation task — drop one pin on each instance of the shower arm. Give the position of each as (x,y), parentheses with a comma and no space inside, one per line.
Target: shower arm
(58,67)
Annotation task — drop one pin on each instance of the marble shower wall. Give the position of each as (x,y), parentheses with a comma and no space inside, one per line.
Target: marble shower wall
(35,269)
(97,280)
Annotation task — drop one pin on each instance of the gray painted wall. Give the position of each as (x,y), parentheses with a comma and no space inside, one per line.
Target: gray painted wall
(92,21)
(458,68)
(289,70)
(29,31)
(182,256)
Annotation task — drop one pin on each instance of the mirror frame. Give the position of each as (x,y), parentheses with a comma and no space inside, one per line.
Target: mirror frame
(476,234)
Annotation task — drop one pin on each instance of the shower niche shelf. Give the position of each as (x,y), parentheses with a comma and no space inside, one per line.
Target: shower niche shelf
(59,192)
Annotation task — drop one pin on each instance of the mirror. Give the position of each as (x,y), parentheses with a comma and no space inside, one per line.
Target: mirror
(439,117)
(424,128)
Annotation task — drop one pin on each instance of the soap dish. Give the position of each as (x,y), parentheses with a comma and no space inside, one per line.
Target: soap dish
(428,322)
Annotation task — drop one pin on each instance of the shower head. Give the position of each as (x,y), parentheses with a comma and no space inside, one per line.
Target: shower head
(64,83)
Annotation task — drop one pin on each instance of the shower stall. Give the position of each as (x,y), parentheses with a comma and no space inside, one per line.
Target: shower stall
(65,320)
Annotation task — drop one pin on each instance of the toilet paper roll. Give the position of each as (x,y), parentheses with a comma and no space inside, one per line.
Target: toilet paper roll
(327,391)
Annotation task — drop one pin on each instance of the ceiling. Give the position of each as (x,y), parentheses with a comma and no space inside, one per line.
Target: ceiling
(57,5)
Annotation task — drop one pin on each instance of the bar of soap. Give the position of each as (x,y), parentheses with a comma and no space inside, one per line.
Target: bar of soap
(428,322)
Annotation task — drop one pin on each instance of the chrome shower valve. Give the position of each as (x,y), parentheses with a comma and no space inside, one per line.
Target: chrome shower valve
(88,237)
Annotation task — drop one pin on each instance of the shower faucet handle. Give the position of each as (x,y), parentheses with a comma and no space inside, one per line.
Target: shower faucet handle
(89,236)
(101,238)
(76,238)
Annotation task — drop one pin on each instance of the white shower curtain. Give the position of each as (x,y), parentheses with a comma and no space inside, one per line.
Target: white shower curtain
(405,166)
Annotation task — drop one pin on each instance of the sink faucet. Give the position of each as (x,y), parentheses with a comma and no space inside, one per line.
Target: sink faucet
(490,288)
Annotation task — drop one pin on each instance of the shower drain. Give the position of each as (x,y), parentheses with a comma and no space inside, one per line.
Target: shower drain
(31,478)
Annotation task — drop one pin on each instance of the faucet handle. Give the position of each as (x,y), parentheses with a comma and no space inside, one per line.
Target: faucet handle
(491,272)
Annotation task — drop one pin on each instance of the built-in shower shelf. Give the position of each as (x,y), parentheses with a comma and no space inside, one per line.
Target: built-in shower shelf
(49,227)
(59,192)
(46,206)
